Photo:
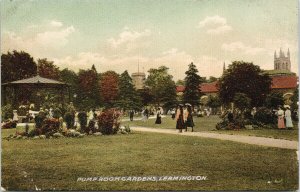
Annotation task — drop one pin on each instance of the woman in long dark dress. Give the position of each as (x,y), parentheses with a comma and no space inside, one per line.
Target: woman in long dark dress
(189,118)
(179,119)
(158,117)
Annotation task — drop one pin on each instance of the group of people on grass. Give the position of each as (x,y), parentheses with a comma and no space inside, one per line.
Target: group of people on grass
(284,118)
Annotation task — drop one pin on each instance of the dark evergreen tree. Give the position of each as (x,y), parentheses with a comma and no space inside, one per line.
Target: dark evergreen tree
(128,97)
(193,81)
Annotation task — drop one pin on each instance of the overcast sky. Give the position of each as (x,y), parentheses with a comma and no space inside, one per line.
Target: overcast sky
(119,34)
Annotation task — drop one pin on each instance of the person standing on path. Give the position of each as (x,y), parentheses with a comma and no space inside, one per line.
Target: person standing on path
(158,116)
(131,113)
(280,114)
(189,118)
(179,119)
(288,118)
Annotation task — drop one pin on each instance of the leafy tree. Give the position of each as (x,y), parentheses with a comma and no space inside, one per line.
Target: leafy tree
(16,66)
(146,96)
(241,101)
(161,86)
(71,78)
(192,92)
(244,77)
(273,100)
(128,97)
(47,69)
(180,82)
(295,98)
(214,102)
(109,86)
(212,79)
(88,88)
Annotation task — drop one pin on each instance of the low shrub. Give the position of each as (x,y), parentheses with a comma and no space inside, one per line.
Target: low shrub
(109,121)
(69,119)
(265,116)
(7,112)
(50,126)
(82,117)
(9,124)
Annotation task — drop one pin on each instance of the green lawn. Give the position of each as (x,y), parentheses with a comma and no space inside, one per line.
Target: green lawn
(209,124)
(55,164)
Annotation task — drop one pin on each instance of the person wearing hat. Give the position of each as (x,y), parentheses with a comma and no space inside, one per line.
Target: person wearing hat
(288,118)
(179,119)
(189,122)
(280,114)
(158,116)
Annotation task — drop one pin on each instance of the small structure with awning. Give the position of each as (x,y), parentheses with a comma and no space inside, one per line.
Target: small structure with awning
(37,83)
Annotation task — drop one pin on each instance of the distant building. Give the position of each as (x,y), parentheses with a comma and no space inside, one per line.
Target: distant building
(138,80)
(282,62)
(283,80)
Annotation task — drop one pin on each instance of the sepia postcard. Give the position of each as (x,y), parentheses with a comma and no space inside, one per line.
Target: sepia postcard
(149,95)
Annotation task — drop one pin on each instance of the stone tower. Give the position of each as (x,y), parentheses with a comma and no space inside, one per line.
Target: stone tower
(282,62)
(138,79)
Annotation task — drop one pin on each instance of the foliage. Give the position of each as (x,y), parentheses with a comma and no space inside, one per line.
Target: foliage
(69,120)
(109,86)
(273,100)
(241,101)
(161,86)
(295,98)
(82,117)
(265,116)
(180,82)
(243,77)
(7,112)
(192,92)
(17,65)
(211,79)
(109,121)
(39,120)
(47,69)
(9,124)
(88,88)
(71,78)
(214,101)
(50,126)
(146,96)
(128,97)
(57,113)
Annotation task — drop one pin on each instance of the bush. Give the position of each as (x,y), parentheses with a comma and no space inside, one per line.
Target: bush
(109,122)
(39,120)
(50,126)
(9,124)
(57,113)
(69,120)
(7,112)
(265,116)
(82,117)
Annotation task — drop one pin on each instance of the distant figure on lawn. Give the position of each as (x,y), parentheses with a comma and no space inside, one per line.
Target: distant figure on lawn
(189,122)
(280,114)
(158,116)
(288,118)
(179,119)
(173,112)
(131,113)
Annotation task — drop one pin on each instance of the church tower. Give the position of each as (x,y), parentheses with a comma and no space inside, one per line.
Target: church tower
(282,62)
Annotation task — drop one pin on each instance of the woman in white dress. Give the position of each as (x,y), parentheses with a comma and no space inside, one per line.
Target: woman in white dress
(288,118)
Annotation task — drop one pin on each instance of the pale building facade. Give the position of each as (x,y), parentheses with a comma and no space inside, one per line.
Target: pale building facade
(282,62)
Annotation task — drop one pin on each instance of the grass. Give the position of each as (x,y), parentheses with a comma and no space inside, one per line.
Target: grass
(209,124)
(55,164)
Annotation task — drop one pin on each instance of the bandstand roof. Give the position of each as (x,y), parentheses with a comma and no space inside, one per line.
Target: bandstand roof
(36,81)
